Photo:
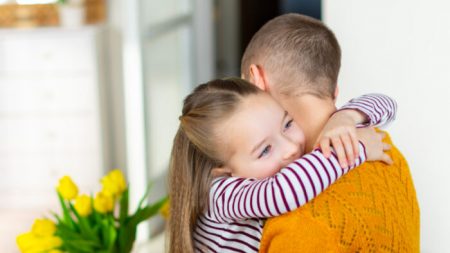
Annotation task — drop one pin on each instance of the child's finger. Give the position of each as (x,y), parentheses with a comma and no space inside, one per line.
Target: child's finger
(386,146)
(386,159)
(355,142)
(348,147)
(325,146)
(340,152)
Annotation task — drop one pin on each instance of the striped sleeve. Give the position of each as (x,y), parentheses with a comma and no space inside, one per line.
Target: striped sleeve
(380,109)
(232,199)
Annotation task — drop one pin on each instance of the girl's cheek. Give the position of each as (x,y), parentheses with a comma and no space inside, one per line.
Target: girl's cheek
(300,136)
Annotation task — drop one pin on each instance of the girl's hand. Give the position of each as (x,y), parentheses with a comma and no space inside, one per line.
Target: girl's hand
(340,132)
(375,147)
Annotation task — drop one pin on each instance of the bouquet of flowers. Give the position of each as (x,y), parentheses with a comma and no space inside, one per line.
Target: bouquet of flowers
(90,224)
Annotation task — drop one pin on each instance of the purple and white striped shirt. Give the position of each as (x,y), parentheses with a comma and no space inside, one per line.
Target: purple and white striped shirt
(380,108)
(237,207)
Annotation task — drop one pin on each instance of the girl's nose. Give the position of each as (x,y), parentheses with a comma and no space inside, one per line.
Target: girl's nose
(291,150)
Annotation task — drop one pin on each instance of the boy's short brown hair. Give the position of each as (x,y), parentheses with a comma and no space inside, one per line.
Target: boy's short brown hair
(301,54)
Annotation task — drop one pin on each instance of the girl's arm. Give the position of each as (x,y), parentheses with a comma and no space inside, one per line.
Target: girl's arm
(233,198)
(340,130)
(379,109)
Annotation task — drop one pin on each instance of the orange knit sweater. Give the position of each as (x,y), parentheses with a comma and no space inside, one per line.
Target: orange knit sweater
(373,208)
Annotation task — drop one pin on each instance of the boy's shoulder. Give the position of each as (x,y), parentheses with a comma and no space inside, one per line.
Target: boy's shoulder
(372,207)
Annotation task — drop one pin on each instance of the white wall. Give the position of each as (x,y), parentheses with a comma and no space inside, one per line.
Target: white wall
(402,48)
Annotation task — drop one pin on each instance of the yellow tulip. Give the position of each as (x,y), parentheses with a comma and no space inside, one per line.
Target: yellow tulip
(165,210)
(67,188)
(114,183)
(83,205)
(55,251)
(103,203)
(49,242)
(32,243)
(44,244)
(26,241)
(43,227)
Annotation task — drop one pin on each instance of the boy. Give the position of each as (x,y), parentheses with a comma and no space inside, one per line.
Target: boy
(296,59)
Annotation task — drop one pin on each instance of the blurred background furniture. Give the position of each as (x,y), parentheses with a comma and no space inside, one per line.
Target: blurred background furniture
(51,120)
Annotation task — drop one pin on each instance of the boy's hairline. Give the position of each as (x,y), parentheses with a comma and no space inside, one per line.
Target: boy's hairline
(264,57)
(289,89)
(298,90)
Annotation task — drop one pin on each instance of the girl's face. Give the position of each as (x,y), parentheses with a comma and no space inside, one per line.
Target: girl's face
(260,138)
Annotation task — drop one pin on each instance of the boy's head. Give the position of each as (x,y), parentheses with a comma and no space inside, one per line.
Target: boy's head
(294,55)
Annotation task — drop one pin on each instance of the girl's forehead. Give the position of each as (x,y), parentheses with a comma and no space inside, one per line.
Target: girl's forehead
(255,119)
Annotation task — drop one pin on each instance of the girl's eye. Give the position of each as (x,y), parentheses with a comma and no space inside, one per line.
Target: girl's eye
(265,151)
(288,124)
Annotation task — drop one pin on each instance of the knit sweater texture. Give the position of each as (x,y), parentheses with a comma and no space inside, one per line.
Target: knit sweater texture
(373,208)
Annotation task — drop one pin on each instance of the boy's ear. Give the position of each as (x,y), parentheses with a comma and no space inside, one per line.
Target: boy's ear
(222,171)
(258,77)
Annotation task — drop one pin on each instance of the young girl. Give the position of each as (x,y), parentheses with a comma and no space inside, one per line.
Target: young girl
(233,164)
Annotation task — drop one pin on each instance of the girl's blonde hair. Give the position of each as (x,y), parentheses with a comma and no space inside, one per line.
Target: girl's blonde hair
(194,154)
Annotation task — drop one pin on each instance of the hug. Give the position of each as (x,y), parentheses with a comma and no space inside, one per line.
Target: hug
(267,163)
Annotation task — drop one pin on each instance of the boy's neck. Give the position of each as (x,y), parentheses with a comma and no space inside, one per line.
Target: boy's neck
(310,113)
(318,122)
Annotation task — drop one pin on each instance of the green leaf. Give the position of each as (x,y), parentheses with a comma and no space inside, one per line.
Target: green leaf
(57,217)
(108,231)
(112,234)
(67,247)
(81,246)
(97,217)
(65,231)
(147,191)
(127,231)
(147,211)
(127,236)
(84,225)
(105,233)
(66,214)
(123,207)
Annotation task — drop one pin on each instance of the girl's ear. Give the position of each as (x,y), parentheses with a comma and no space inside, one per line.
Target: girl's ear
(222,171)
(258,77)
